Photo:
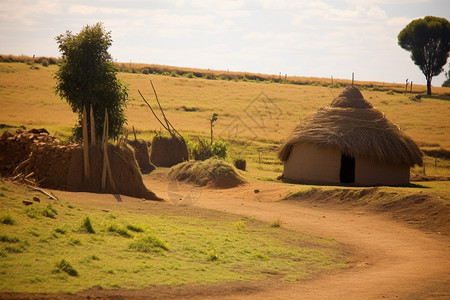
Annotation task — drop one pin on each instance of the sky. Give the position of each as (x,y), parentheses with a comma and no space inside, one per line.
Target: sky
(321,38)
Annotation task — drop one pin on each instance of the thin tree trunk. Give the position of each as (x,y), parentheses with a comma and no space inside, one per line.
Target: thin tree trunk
(429,86)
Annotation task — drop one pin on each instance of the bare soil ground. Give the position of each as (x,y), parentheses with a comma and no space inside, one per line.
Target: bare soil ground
(390,256)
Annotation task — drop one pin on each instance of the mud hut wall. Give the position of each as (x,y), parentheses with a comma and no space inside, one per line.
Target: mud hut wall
(309,163)
(368,172)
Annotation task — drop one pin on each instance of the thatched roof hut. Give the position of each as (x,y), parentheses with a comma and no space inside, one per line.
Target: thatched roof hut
(352,131)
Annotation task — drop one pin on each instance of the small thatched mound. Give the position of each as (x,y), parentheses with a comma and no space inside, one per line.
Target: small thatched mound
(357,129)
(141,153)
(168,151)
(213,172)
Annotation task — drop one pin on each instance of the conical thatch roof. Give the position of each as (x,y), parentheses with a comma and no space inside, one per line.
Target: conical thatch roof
(357,129)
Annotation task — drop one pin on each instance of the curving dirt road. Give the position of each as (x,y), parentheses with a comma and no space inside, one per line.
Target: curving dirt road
(388,260)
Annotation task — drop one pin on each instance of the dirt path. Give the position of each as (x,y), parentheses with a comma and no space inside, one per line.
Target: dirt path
(388,260)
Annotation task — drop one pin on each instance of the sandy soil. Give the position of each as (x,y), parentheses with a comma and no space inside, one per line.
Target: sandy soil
(389,259)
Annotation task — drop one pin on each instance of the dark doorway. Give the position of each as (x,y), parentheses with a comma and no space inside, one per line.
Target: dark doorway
(347,174)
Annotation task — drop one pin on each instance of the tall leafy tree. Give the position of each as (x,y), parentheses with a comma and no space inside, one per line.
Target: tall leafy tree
(87,76)
(428,40)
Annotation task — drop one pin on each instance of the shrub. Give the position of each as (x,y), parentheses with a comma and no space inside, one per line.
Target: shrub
(203,149)
(44,63)
(240,164)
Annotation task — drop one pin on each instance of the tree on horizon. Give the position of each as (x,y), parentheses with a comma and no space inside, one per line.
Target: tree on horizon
(428,40)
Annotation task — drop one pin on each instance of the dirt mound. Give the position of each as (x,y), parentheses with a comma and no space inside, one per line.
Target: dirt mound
(124,168)
(168,151)
(141,153)
(37,157)
(427,212)
(214,172)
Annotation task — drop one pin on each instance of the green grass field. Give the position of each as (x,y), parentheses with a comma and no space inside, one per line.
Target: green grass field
(49,247)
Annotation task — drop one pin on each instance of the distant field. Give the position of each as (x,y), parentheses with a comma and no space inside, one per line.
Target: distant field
(254,117)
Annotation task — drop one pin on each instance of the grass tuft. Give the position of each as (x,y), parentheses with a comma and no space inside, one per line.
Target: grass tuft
(118,230)
(149,243)
(276,223)
(135,228)
(87,225)
(65,266)
(7,220)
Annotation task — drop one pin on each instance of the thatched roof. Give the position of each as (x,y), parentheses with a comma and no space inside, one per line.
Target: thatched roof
(357,129)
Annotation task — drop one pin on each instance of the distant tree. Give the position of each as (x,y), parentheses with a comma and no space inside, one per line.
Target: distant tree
(446,82)
(87,76)
(428,40)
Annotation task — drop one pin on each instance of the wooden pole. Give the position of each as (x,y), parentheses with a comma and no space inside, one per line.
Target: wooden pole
(134,132)
(87,171)
(92,127)
(105,149)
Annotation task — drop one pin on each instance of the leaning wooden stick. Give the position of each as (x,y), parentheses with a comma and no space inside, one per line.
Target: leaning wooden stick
(154,114)
(164,115)
(160,108)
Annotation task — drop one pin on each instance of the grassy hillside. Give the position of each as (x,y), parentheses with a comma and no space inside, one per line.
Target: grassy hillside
(254,117)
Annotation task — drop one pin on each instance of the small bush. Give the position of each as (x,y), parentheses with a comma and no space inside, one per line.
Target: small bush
(44,63)
(240,164)
(203,149)
(149,243)
(65,266)
(7,220)
(87,225)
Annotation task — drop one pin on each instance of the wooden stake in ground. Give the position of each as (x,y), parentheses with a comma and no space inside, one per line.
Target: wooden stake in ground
(87,171)
(92,127)
(105,149)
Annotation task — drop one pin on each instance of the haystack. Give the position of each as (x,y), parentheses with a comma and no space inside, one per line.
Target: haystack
(142,157)
(214,172)
(349,142)
(168,151)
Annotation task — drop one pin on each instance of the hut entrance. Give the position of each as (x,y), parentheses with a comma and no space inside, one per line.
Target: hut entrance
(347,173)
